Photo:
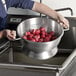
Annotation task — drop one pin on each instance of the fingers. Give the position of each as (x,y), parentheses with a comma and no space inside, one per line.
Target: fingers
(13,33)
(10,37)
(65,24)
(63,21)
(10,34)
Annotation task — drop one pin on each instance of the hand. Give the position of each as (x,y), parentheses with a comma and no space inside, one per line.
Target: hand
(63,21)
(10,34)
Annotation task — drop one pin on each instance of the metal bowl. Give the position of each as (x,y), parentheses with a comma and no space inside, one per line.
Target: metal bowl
(40,50)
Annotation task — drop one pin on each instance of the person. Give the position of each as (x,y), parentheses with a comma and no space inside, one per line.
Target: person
(26,4)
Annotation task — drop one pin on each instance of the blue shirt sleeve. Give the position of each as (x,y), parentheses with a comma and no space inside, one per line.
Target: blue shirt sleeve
(25,4)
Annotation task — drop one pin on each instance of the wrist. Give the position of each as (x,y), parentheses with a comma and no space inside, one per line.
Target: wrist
(1,34)
(4,33)
(59,17)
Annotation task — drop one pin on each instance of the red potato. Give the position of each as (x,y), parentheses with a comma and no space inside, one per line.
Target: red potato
(47,39)
(40,40)
(53,38)
(33,31)
(36,37)
(52,33)
(31,35)
(37,31)
(42,29)
(33,40)
(39,35)
(43,33)
(24,37)
(49,36)
(27,33)
(42,36)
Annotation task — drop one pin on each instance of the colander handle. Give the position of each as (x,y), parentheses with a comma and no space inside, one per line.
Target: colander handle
(66,29)
(16,39)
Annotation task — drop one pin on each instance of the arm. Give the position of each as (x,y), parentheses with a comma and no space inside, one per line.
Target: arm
(41,8)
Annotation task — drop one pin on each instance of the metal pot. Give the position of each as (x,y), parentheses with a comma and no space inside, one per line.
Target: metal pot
(40,50)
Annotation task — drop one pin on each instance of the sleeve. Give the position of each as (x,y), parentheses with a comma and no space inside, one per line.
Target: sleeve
(25,4)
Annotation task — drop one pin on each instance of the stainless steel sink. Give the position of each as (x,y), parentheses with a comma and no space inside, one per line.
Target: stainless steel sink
(16,57)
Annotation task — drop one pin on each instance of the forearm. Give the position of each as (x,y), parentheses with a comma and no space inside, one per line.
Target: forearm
(41,8)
